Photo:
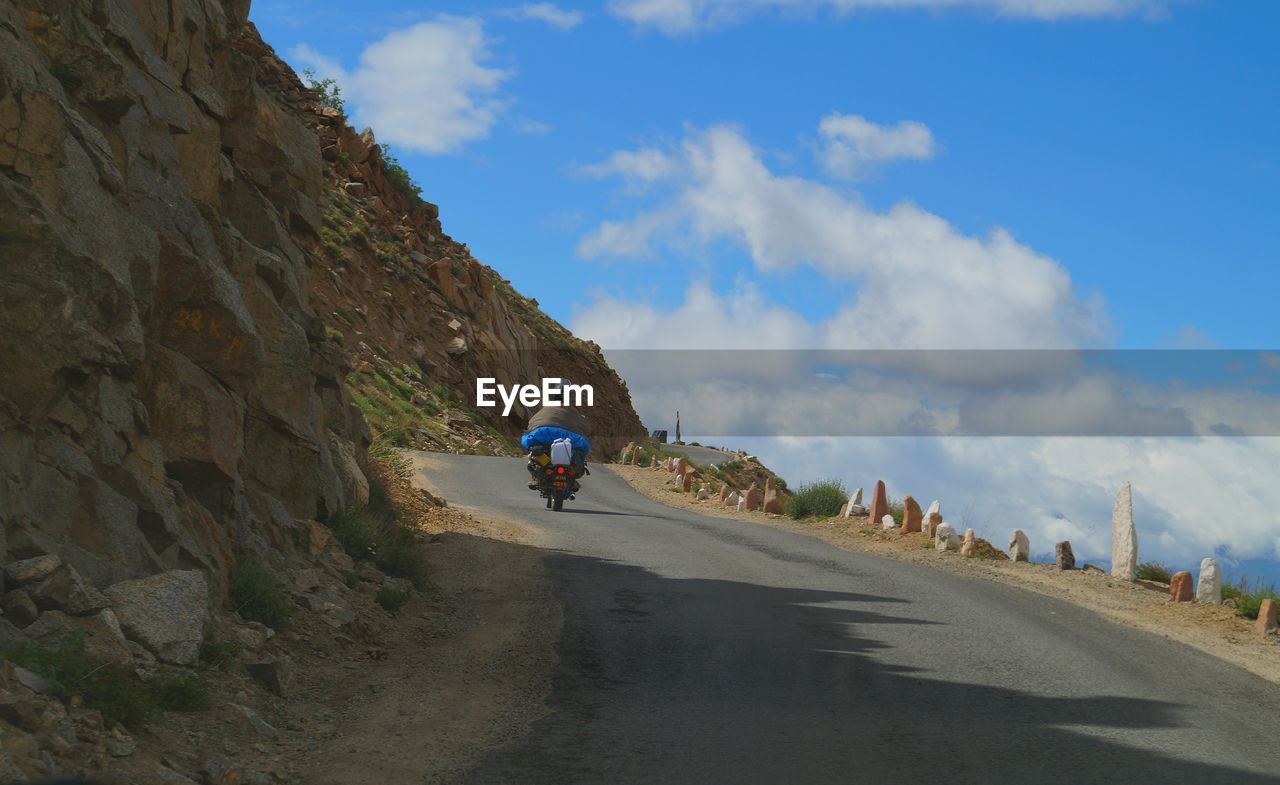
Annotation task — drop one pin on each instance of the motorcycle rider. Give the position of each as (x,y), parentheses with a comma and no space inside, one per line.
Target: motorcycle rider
(551,423)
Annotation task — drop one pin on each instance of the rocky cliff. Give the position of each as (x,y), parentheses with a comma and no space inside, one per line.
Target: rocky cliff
(197,262)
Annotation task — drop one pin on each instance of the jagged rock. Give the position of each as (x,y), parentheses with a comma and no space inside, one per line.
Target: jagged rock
(304,580)
(31,712)
(969,545)
(1064,556)
(355,485)
(879,503)
(945,538)
(332,607)
(1180,587)
(1124,536)
(1209,590)
(26,571)
(19,608)
(32,681)
(255,722)
(274,673)
(165,613)
(103,637)
(1019,546)
(912,516)
(64,590)
(121,744)
(252,636)
(220,770)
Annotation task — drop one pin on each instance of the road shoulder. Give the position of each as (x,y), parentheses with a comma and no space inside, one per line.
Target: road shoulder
(1216,631)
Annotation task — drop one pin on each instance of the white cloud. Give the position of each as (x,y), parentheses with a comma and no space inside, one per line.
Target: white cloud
(636,167)
(424,88)
(529,127)
(550,13)
(675,17)
(915,281)
(851,143)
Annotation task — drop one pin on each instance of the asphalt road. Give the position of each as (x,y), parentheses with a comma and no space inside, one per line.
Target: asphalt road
(703,650)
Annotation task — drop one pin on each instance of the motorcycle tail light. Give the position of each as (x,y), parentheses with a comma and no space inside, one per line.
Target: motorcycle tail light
(560,470)
(548,471)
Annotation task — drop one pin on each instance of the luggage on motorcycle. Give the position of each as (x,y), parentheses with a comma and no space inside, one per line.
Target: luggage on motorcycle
(561,452)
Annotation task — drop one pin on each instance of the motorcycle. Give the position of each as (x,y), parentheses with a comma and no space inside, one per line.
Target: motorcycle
(554,482)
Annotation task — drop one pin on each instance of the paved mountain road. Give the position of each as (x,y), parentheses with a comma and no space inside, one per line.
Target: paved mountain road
(703,650)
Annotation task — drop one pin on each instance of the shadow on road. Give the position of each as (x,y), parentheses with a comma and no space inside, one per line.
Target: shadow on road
(707,681)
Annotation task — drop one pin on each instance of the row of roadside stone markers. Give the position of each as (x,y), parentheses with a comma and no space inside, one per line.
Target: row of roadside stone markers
(1124,533)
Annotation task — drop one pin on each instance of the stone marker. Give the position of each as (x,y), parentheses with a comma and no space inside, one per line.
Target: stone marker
(969,546)
(879,502)
(635,456)
(1180,587)
(742,503)
(1266,617)
(887,522)
(732,500)
(724,494)
(946,538)
(911,515)
(772,500)
(704,492)
(1210,588)
(682,467)
(1124,537)
(1019,546)
(753,497)
(679,480)
(854,507)
(1064,556)
(687,484)
(932,517)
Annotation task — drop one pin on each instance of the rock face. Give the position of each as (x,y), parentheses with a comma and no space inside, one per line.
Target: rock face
(1180,587)
(1064,556)
(1209,589)
(1124,536)
(165,613)
(1019,546)
(946,539)
(178,270)
(912,516)
(879,503)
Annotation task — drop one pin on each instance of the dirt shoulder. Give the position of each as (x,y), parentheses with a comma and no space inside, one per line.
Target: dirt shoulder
(461,668)
(1214,630)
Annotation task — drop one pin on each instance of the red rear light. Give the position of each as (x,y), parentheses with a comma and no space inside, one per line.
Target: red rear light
(559,470)
(548,471)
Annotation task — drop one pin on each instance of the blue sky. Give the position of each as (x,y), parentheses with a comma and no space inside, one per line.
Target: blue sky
(899,173)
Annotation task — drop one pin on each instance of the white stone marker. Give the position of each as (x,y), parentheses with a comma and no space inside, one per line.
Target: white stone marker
(1124,537)
(1209,589)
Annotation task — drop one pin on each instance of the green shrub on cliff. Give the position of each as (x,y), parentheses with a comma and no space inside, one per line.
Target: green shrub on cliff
(820,499)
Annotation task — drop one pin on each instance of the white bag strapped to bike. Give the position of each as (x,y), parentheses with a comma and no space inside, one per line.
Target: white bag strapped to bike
(561,453)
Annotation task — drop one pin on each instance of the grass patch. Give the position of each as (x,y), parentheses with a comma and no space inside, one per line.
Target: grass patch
(1153,571)
(121,697)
(376,533)
(399,176)
(820,499)
(391,599)
(1248,601)
(256,594)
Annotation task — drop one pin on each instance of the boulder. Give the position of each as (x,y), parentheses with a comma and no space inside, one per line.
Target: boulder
(1266,623)
(30,570)
(103,638)
(772,499)
(724,494)
(332,607)
(1180,587)
(753,498)
(686,483)
(1064,556)
(274,673)
(1019,546)
(946,539)
(1209,590)
(912,516)
(879,502)
(887,522)
(1124,536)
(969,546)
(64,590)
(704,493)
(19,609)
(165,613)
